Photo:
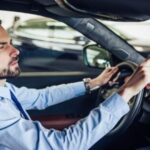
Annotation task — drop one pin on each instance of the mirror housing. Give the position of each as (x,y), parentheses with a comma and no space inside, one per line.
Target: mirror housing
(96,56)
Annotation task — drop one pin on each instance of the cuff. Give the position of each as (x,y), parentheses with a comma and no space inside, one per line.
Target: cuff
(78,88)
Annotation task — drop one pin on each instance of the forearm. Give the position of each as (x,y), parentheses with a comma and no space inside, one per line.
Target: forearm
(42,98)
(57,94)
(126,93)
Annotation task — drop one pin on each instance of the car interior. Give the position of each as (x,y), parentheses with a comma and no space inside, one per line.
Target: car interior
(107,49)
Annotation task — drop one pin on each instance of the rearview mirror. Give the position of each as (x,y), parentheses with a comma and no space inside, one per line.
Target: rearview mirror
(96,56)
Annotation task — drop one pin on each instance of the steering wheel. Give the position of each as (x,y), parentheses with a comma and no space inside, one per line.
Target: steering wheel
(125,69)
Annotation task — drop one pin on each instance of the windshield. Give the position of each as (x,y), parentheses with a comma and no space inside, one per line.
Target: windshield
(135,33)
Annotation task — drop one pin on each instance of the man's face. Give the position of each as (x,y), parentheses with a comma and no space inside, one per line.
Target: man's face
(8,56)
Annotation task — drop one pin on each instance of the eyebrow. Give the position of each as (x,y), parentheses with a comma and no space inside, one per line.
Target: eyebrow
(3,43)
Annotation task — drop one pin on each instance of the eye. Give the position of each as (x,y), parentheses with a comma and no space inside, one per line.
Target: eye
(2,46)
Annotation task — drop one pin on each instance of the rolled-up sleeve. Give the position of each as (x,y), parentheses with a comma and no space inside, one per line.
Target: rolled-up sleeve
(28,135)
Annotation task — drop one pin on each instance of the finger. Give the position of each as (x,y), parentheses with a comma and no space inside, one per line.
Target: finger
(127,78)
(107,70)
(110,69)
(114,70)
(116,67)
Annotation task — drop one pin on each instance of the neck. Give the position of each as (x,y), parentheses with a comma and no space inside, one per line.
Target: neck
(2,82)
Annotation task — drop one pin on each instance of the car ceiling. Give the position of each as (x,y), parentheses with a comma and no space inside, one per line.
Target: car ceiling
(112,9)
(124,10)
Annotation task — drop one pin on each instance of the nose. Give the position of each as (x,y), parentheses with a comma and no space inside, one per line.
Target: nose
(14,51)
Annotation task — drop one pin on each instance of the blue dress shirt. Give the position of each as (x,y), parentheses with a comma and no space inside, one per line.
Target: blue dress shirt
(17,133)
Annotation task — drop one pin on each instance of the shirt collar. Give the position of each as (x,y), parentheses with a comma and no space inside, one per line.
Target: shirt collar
(4,92)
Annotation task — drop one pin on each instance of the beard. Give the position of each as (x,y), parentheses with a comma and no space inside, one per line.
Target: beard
(10,71)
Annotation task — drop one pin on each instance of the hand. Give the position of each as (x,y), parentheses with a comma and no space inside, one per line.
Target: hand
(138,80)
(104,77)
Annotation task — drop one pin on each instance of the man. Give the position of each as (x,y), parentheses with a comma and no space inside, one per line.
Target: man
(19,132)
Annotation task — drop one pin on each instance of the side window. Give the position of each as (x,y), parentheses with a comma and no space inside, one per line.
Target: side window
(48,45)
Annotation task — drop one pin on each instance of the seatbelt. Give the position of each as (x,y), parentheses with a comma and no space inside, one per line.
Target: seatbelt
(18,105)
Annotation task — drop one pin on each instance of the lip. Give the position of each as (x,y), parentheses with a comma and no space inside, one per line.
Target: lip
(14,63)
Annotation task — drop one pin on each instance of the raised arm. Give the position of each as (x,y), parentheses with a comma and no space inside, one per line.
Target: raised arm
(18,133)
(42,98)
